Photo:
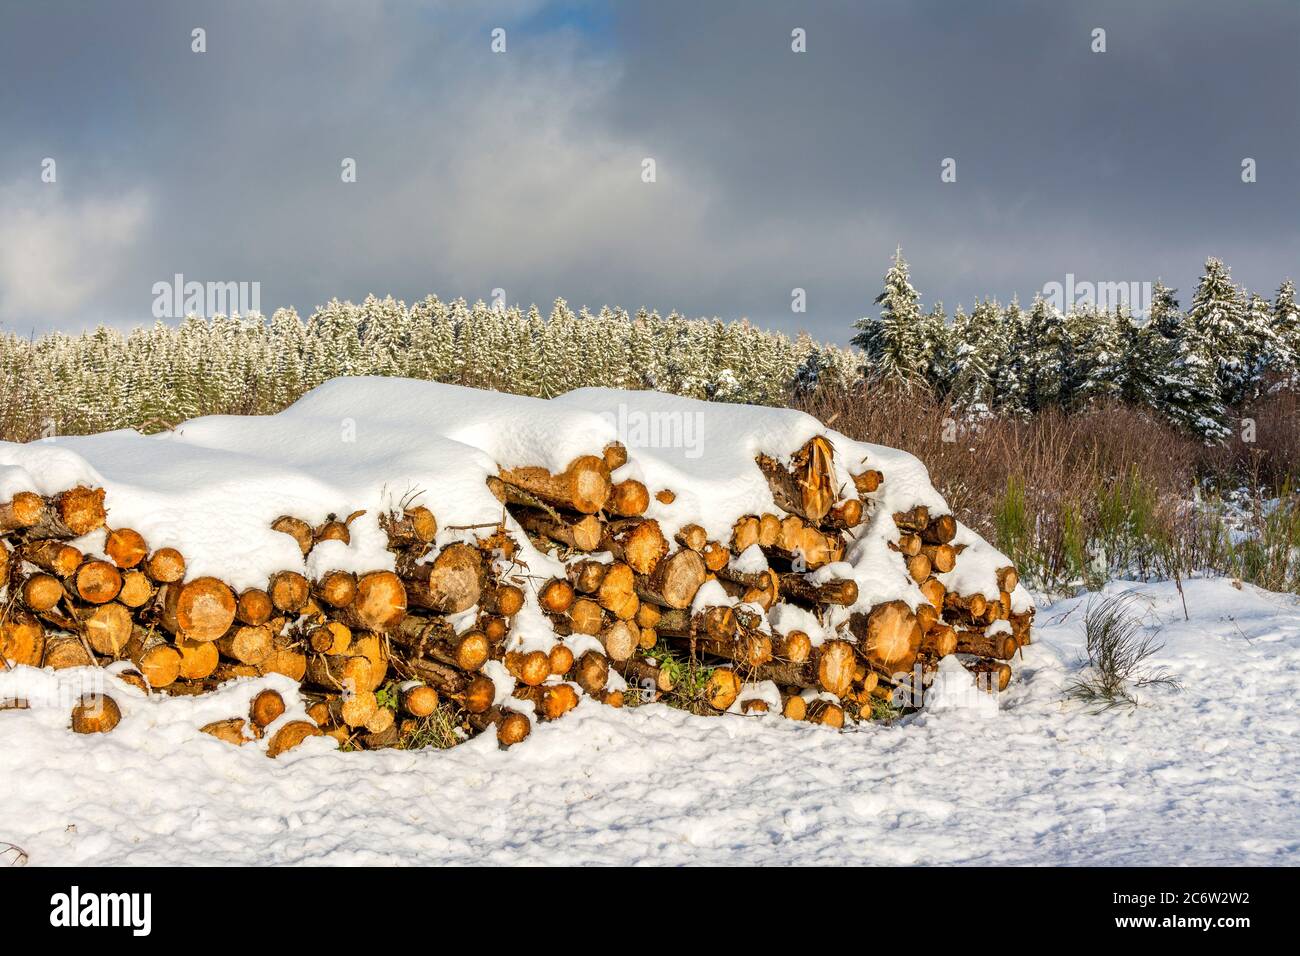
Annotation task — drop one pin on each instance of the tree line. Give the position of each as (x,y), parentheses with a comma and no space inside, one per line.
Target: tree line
(1193,367)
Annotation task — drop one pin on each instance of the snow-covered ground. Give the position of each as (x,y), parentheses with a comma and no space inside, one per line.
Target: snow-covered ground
(1207,775)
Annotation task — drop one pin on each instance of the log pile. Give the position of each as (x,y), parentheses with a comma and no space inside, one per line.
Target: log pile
(637,615)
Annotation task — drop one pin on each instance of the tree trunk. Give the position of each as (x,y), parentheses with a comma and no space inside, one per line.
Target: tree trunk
(637,542)
(841,591)
(584,486)
(888,637)
(125,547)
(674,581)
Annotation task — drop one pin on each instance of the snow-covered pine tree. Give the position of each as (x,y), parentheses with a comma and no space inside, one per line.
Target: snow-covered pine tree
(1262,350)
(975,354)
(1286,332)
(937,346)
(1035,351)
(1136,370)
(1215,330)
(892,343)
(1095,340)
(1007,369)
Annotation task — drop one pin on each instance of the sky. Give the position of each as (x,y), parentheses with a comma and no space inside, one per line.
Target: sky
(525,170)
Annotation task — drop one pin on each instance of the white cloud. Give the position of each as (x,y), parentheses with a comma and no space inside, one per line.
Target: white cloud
(56,254)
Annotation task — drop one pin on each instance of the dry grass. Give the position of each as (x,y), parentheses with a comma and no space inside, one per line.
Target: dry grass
(1109,492)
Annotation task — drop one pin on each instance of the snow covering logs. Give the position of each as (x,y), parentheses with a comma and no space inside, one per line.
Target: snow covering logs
(811,583)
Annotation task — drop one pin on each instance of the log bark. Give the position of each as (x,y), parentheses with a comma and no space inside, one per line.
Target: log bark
(675,580)
(59,559)
(643,674)
(807,487)
(636,542)
(473,692)
(158,661)
(989,674)
(581,534)
(940,530)
(914,520)
(584,486)
(715,623)
(436,639)
(70,514)
(22,511)
(841,591)
(1000,646)
(496,597)
(415,527)
(296,528)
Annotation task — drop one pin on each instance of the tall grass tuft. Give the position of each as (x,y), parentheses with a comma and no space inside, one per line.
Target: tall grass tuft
(1119,655)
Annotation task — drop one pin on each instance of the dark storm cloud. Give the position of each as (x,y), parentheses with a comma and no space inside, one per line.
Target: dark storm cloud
(522,170)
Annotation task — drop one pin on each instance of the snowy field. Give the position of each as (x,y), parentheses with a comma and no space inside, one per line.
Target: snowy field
(1203,776)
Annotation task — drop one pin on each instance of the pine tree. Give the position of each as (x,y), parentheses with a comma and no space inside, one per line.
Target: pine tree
(1035,349)
(1136,372)
(1262,349)
(1007,369)
(975,354)
(937,347)
(892,343)
(1215,331)
(1286,333)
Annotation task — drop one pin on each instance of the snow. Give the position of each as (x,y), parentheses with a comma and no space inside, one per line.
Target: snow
(213,486)
(1203,776)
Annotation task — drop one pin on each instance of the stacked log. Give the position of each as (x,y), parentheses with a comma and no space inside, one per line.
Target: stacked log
(378,652)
